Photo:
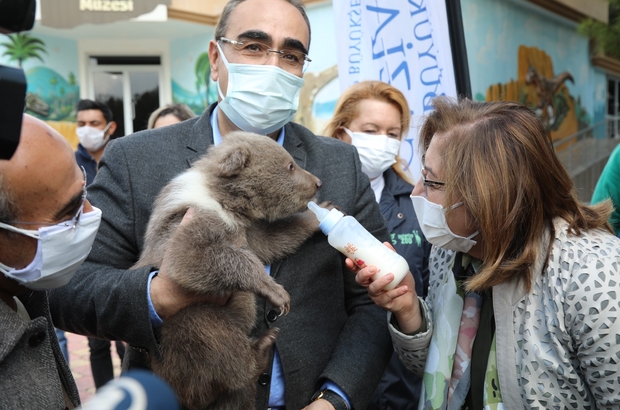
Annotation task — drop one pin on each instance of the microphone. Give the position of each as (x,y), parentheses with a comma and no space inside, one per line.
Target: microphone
(134,390)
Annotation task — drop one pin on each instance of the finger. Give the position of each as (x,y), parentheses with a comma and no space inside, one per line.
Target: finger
(377,286)
(397,292)
(389,245)
(364,276)
(189,214)
(351,265)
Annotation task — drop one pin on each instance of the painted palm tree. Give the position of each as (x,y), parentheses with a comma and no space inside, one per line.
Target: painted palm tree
(23,46)
(203,72)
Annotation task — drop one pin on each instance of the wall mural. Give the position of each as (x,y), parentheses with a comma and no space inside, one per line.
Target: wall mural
(317,99)
(50,96)
(538,87)
(190,70)
(204,94)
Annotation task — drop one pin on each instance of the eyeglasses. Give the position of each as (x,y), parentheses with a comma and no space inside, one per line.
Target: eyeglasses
(429,183)
(293,61)
(72,223)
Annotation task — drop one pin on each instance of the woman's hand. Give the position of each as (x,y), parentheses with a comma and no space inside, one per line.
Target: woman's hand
(402,301)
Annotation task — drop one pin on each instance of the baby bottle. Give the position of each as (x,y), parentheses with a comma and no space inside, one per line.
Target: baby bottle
(350,238)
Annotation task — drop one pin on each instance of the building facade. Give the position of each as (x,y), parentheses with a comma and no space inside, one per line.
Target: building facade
(520,50)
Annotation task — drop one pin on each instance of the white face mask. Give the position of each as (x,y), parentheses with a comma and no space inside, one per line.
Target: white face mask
(92,138)
(377,152)
(432,219)
(259,98)
(61,249)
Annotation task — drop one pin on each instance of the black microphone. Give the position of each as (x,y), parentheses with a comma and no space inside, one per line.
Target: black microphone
(134,390)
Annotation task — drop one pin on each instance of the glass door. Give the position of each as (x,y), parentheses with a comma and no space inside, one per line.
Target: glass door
(108,89)
(131,90)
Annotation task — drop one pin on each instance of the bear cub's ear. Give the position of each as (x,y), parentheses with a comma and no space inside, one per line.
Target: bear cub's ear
(234,161)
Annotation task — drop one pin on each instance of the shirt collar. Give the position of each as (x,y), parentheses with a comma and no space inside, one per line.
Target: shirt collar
(82,151)
(217,136)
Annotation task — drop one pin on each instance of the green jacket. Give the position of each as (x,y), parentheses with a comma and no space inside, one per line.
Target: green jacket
(608,186)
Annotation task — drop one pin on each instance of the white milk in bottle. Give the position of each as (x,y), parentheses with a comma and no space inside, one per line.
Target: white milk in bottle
(350,238)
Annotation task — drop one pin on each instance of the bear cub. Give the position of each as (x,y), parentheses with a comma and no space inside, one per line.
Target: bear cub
(249,199)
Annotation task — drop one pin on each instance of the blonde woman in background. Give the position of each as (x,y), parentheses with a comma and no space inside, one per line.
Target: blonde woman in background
(169,114)
(374,117)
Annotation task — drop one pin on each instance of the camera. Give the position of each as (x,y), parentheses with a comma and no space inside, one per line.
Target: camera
(15,16)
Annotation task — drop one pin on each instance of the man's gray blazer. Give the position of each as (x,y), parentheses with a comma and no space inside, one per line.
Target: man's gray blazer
(334,331)
(33,372)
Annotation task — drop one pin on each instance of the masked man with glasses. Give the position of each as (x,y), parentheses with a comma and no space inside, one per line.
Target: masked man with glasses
(47,228)
(333,346)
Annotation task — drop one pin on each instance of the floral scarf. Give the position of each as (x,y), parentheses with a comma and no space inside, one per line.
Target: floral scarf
(456,316)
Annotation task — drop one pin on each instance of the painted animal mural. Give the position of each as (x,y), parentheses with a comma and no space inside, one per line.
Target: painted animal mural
(538,87)
(547,88)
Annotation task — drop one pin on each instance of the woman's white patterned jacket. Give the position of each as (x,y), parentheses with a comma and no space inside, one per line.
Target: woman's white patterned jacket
(558,346)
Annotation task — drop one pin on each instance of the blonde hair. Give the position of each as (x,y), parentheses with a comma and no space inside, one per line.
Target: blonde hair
(181,111)
(347,110)
(499,160)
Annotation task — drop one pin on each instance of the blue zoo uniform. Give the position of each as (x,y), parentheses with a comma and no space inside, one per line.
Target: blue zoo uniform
(400,388)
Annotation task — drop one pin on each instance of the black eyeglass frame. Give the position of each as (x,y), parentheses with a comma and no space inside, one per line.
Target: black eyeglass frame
(431,183)
(281,53)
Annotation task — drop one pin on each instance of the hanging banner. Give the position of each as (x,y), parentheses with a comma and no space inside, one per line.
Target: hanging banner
(405,43)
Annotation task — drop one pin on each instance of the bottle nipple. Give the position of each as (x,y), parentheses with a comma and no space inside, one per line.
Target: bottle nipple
(320,213)
(327,219)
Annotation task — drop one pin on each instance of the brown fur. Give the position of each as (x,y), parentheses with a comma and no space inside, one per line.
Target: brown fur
(250,201)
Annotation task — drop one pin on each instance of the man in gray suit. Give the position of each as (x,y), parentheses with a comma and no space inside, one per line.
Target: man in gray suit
(41,195)
(333,346)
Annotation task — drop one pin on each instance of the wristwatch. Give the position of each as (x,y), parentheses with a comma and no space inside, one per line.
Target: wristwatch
(332,397)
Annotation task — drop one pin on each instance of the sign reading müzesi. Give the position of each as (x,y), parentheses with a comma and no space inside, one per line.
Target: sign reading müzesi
(71,13)
(106,5)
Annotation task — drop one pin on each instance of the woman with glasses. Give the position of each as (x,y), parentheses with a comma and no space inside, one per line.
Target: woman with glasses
(524,279)
(374,117)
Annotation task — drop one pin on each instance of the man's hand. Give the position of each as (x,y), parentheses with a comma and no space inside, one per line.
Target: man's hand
(402,300)
(167,297)
(319,404)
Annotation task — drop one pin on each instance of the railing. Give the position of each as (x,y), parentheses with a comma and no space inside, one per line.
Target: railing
(585,153)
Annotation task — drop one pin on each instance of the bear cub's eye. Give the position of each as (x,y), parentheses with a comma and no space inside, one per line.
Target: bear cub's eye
(291,166)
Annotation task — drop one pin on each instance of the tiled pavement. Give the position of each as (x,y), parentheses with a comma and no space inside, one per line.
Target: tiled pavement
(80,364)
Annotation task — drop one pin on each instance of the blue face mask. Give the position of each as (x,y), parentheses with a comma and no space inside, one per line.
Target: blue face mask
(259,98)
(61,249)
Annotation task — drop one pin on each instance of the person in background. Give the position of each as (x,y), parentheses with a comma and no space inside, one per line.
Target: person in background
(169,114)
(374,117)
(43,213)
(95,127)
(608,187)
(523,297)
(333,346)
(94,131)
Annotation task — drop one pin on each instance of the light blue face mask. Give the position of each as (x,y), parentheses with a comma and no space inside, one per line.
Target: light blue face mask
(259,98)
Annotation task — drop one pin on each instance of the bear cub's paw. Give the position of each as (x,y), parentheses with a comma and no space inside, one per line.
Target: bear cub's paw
(278,297)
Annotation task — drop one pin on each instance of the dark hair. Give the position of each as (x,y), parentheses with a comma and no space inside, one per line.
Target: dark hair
(84,105)
(181,111)
(222,24)
(500,162)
